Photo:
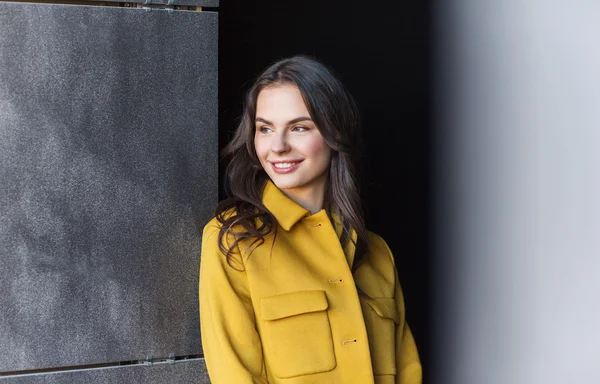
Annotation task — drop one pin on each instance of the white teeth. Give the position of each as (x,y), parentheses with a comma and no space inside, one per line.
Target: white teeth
(283,165)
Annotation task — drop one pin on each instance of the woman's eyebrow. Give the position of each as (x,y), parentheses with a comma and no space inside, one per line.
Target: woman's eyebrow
(293,121)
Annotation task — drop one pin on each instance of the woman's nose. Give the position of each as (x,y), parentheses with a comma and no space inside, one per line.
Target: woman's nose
(279,143)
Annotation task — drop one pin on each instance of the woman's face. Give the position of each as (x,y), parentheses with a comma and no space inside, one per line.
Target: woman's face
(288,143)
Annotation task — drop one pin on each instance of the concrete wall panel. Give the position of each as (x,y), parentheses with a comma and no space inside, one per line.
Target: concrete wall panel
(108,162)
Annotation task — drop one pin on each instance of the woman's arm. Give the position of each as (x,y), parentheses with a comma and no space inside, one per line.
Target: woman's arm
(231,345)
(408,364)
(407,357)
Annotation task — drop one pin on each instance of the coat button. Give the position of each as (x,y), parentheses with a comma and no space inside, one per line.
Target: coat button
(335,281)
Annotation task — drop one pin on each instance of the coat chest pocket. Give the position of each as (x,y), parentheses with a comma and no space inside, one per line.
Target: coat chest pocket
(381,318)
(296,333)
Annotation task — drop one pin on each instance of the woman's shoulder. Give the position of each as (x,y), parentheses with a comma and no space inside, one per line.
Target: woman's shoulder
(232,225)
(379,248)
(217,221)
(380,266)
(376,239)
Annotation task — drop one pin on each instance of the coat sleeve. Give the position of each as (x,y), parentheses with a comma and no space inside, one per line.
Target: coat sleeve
(407,356)
(408,363)
(230,341)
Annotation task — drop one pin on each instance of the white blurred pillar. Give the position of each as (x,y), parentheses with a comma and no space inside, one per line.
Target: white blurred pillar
(517,123)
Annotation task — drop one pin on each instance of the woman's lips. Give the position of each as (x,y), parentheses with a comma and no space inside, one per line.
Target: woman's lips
(285,166)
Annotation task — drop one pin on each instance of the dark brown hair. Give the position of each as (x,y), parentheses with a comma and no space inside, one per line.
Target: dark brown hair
(334,111)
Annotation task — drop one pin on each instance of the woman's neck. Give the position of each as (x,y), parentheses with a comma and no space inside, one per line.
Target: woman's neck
(311,199)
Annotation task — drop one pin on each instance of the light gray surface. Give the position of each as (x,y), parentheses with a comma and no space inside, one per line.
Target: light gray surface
(108,169)
(518,193)
(182,372)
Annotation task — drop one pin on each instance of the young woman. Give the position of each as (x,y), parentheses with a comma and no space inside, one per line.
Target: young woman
(293,288)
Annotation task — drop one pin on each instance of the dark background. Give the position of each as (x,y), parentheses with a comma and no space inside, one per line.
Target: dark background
(382,54)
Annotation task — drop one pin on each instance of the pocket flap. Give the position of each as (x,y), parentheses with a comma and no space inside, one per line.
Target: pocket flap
(384,307)
(293,303)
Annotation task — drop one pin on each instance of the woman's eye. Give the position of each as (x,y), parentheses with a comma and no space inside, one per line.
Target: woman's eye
(300,128)
(264,129)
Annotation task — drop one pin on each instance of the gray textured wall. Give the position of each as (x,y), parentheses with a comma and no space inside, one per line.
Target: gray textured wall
(198,3)
(108,169)
(185,372)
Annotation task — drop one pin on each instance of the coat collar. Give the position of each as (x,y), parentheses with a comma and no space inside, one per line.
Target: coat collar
(286,211)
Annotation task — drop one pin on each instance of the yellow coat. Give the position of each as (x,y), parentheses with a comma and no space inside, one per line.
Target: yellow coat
(293,315)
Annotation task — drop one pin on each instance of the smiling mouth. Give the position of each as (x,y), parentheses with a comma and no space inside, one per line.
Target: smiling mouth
(284,167)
